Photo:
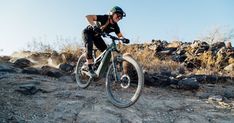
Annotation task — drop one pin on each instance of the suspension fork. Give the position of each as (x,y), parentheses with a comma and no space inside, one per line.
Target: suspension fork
(116,75)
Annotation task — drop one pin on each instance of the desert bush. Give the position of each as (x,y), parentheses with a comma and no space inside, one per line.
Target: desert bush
(207,59)
(218,34)
(62,45)
(146,57)
(39,46)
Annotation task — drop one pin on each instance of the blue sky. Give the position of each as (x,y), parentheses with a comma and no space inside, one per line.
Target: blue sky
(21,21)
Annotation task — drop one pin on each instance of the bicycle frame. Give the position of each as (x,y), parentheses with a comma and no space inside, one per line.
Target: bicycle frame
(105,59)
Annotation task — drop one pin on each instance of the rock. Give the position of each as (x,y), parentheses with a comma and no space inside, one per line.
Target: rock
(230,68)
(216,46)
(66,67)
(188,83)
(216,98)
(210,79)
(180,69)
(50,71)
(195,44)
(182,120)
(205,78)
(94,117)
(174,81)
(156,45)
(22,63)
(5,58)
(199,51)
(157,80)
(179,58)
(203,95)
(229,93)
(229,45)
(165,73)
(68,79)
(202,47)
(205,45)
(31,70)
(192,63)
(167,51)
(180,51)
(16,119)
(174,44)
(221,58)
(8,67)
(28,89)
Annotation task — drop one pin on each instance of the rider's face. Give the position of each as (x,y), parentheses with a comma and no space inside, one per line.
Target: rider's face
(117,17)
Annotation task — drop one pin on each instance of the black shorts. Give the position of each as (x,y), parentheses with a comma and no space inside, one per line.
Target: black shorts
(89,39)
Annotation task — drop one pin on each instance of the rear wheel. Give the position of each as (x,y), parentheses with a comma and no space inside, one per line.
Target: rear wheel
(127,90)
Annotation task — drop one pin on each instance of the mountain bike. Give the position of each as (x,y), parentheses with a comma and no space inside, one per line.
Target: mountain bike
(124,76)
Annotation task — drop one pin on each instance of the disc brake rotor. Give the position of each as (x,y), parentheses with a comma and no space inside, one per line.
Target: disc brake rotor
(125,81)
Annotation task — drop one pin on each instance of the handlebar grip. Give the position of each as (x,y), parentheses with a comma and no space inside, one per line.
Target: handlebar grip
(126,41)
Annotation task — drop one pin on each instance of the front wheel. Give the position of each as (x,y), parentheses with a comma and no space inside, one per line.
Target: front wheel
(82,79)
(126,90)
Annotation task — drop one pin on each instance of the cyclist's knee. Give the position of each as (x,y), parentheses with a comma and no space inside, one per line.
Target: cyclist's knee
(89,56)
(103,48)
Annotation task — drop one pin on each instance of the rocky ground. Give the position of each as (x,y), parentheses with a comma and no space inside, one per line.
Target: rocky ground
(40,87)
(37,98)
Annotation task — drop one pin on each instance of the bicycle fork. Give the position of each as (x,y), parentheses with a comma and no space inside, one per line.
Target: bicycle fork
(116,75)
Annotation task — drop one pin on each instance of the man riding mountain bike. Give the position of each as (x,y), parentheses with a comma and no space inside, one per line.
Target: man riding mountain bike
(92,33)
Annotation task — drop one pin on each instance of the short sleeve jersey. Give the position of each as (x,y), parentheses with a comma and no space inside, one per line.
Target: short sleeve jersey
(110,27)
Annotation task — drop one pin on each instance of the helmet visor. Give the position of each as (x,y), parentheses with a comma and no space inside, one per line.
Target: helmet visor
(122,14)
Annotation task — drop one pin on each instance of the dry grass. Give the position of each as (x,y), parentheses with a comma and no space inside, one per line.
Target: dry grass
(207,60)
(212,71)
(61,46)
(146,57)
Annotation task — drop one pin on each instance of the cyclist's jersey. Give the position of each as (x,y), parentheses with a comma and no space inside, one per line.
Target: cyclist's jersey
(110,27)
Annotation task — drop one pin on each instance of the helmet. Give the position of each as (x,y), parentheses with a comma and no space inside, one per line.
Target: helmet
(117,9)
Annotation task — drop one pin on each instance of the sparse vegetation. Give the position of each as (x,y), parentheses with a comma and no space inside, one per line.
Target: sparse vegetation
(61,45)
(204,60)
(218,34)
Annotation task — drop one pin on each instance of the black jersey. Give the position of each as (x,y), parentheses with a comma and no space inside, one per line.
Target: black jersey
(102,19)
(110,27)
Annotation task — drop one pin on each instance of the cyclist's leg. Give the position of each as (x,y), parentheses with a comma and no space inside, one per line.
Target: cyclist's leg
(88,37)
(100,43)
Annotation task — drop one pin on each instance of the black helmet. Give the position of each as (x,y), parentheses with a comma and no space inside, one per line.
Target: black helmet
(117,9)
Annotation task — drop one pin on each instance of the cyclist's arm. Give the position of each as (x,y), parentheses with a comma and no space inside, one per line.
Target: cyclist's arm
(91,19)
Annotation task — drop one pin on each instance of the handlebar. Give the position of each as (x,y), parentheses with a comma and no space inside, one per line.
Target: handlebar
(111,36)
(114,37)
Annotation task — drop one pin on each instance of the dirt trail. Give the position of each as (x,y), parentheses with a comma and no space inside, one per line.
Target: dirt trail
(60,100)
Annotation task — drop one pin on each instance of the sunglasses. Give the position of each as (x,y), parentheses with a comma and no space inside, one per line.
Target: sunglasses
(119,16)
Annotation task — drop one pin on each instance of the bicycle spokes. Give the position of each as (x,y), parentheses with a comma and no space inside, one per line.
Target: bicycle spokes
(82,79)
(123,90)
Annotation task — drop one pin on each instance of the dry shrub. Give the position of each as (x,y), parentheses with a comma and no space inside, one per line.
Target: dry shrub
(230,60)
(205,71)
(73,49)
(146,57)
(212,71)
(207,60)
